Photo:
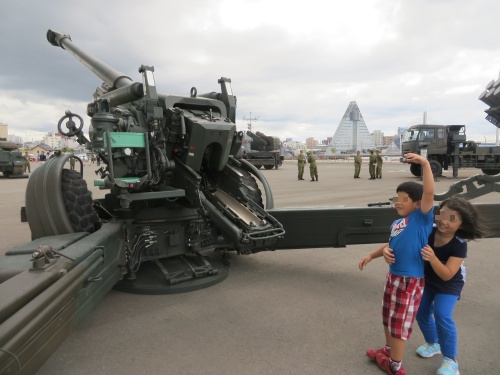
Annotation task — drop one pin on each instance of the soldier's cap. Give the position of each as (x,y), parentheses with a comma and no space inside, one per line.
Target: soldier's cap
(308,152)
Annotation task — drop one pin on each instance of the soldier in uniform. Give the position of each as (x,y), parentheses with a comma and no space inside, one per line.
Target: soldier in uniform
(373,163)
(357,164)
(301,162)
(72,163)
(27,164)
(380,161)
(313,168)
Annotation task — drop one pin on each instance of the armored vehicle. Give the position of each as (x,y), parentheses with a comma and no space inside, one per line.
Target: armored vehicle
(11,159)
(261,150)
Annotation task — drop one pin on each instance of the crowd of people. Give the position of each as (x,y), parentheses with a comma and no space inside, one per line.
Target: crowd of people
(374,165)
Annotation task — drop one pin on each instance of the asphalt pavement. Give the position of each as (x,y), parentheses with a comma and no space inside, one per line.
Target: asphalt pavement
(308,311)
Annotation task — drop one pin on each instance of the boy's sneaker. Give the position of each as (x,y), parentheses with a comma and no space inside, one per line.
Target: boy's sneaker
(384,363)
(429,350)
(448,367)
(372,353)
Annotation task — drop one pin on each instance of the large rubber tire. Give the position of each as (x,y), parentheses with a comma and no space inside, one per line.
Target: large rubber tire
(416,169)
(490,172)
(436,168)
(78,202)
(269,166)
(258,166)
(58,201)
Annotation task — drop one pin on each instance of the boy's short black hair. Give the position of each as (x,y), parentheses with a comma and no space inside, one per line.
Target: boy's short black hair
(413,189)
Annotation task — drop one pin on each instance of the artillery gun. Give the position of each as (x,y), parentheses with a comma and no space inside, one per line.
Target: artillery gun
(11,159)
(261,150)
(178,201)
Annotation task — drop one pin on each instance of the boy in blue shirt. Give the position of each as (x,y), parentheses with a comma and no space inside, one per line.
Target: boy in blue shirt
(405,281)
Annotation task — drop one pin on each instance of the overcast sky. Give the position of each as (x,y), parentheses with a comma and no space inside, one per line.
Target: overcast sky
(294,65)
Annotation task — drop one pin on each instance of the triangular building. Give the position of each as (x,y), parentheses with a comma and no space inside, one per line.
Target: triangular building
(392,149)
(352,133)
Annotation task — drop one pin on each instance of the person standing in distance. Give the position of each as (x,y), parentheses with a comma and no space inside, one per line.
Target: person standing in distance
(404,283)
(301,162)
(72,163)
(27,162)
(313,168)
(43,157)
(357,164)
(371,166)
(380,161)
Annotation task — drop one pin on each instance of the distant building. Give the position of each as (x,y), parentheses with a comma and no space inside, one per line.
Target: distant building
(292,148)
(392,149)
(311,143)
(37,150)
(352,133)
(397,137)
(378,138)
(4,130)
(15,138)
(387,140)
(57,141)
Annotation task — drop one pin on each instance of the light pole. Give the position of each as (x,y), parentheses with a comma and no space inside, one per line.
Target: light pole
(249,121)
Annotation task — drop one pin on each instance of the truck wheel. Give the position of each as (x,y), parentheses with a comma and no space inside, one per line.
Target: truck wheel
(258,166)
(416,170)
(269,166)
(436,168)
(490,172)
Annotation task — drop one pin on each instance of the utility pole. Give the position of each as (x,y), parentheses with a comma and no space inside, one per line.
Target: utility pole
(249,121)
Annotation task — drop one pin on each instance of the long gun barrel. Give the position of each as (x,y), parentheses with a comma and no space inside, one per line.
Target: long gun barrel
(109,75)
(126,90)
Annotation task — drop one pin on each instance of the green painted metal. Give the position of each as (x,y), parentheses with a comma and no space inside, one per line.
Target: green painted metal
(121,139)
(127,180)
(39,307)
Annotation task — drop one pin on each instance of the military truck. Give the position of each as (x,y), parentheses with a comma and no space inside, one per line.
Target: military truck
(261,150)
(11,159)
(447,146)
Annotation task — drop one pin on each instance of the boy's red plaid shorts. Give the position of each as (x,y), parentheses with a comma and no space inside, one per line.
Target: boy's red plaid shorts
(402,297)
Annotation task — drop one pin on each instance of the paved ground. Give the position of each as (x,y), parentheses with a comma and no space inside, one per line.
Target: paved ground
(286,312)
